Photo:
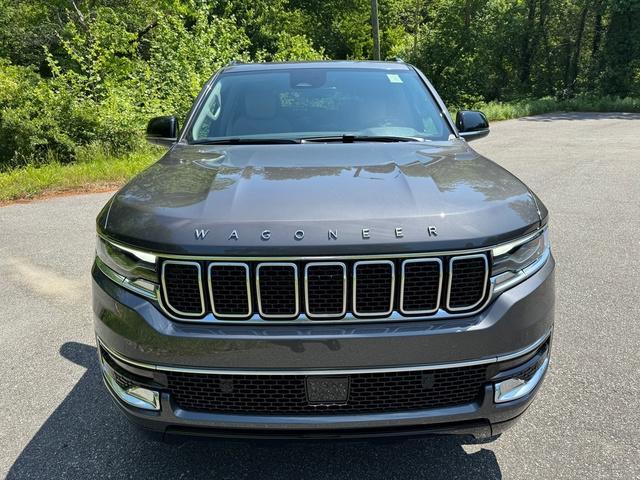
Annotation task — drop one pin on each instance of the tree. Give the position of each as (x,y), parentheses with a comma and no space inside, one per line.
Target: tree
(621,56)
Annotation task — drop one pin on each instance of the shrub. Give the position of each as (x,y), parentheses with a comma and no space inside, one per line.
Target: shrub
(30,114)
(107,80)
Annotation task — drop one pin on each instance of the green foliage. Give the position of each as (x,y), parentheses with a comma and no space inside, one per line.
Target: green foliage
(296,47)
(30,112)
(93,170)
(80,76)
(621,58)
(583,103)
(111,72)
(510,49)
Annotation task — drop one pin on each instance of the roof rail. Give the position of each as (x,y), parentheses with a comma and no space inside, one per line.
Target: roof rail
(234,62)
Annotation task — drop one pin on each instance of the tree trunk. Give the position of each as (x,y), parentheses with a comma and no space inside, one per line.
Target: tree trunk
(574,63)
(527,54)
(597,29)
(594,60)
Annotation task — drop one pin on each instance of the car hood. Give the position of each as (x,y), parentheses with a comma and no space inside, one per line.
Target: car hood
(317,199)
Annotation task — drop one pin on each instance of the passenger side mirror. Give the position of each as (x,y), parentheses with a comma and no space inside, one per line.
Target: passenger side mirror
(472,124)
(163,131)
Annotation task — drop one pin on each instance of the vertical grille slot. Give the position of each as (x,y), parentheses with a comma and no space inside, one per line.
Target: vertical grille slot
(325,289)
(277,290)
(182,288)
(421,286)
(229,290)
(467,281)
(373,288)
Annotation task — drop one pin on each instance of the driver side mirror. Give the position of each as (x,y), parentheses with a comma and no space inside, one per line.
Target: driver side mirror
(472,124)
(163,131)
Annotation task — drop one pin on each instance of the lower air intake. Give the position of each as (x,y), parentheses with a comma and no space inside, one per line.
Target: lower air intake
(287,394)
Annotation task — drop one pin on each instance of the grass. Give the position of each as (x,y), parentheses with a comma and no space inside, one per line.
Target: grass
(101,171)
(97,170)
(524,108)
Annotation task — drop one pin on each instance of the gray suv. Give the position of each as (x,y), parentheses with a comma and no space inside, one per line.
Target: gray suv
(321,254)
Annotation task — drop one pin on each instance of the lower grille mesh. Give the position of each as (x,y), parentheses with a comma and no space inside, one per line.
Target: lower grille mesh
(286,394)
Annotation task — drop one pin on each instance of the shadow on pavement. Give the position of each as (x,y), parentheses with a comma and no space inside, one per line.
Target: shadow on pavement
(86,437)
(551,117)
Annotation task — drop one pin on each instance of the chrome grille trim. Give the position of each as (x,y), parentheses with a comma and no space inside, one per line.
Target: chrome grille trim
(309,313)
(421,260)
(296,289)
(396,314)
(484,288)
(248,283)
(164,287)
(354,284)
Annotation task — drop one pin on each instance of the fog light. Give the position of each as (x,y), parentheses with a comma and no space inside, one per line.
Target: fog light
(514,388)
(135,396)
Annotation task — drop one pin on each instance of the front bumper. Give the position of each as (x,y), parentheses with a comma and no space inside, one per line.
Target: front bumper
(145,342)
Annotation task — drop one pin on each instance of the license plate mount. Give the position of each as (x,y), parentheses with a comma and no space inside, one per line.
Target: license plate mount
(328,390)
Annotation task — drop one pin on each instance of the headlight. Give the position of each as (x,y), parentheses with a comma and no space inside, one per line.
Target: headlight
(133,269)
(515,261)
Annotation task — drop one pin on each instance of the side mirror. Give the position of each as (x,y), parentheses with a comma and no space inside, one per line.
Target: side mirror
(472,124)
(163,131)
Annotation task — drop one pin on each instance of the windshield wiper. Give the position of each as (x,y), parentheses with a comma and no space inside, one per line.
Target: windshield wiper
(362,138)
(245,141)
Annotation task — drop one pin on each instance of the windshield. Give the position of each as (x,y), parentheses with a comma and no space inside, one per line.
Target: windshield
(301,103)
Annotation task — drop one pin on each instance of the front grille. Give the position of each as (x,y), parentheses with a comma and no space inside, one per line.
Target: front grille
(229,288)
(468,279)
(287,394)
(421,286)
(182,287)
(325,290)
(373,289)
(278,290)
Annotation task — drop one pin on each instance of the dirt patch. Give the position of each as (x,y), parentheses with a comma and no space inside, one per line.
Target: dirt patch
(53,193)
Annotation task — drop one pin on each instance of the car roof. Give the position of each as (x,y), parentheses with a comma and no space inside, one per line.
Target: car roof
(346,64)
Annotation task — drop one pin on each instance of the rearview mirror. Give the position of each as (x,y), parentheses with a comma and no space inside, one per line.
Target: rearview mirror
(472,124)
(163,131)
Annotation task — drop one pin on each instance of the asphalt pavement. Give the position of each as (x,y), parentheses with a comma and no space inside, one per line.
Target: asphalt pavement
(56,420)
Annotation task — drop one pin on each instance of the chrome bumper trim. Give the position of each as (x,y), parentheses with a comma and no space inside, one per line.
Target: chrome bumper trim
(138,397)
(409,368)
(513,389)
